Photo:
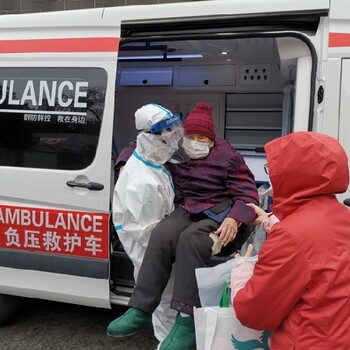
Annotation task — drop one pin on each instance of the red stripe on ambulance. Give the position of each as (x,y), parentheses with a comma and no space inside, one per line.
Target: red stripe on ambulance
(55,231)
(339,39)
(60,45)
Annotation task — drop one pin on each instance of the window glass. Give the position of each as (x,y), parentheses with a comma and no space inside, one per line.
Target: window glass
(50,117)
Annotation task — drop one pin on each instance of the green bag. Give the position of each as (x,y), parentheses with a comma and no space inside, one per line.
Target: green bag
(226,296)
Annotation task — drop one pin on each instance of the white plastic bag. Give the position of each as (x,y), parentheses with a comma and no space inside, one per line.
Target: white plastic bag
(217,328)
(211,281)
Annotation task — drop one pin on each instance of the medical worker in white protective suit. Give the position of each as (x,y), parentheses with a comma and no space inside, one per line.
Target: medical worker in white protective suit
(144,195)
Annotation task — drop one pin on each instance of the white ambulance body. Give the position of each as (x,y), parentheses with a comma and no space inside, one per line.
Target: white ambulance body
(70,83)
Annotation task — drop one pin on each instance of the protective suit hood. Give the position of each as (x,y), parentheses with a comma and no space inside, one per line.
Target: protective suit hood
(150,114)
(159,133)
(303,165)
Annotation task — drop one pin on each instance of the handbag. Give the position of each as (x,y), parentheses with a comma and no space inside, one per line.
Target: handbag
(217,328)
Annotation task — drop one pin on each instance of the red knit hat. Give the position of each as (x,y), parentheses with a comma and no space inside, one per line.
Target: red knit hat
(200,121)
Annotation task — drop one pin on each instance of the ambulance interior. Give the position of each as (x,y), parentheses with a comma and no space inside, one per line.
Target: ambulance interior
(258,87)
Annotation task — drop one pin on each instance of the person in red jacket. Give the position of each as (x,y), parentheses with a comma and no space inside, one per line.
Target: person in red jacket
(300,286)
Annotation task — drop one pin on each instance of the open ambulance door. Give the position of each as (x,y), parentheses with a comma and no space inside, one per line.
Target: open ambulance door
(56,118)
(344,121)
(335,79)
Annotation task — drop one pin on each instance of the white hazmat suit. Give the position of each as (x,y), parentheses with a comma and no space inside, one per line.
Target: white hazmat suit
(144,195)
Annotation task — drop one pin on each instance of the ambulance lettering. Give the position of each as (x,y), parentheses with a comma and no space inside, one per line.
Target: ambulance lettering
(51,241)
(43,91)
(53,231)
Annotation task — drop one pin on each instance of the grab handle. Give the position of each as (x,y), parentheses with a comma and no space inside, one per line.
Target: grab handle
(93,186)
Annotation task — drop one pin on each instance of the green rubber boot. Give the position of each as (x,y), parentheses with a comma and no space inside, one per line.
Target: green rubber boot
(182,335)
(132,321)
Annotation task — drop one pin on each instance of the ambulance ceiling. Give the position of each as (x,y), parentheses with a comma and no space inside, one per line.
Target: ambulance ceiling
(235,35)
(301,21)
(205,49)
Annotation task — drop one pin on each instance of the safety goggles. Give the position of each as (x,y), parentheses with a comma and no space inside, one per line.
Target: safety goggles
(170,130)
(166,124)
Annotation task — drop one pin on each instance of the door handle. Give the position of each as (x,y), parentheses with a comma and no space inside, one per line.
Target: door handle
(93,186)
(347,202)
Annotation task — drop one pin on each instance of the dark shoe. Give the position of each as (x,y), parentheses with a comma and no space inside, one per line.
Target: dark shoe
(132,321)
(182,335)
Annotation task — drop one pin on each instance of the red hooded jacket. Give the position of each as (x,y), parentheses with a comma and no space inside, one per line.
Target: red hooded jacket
(300,288)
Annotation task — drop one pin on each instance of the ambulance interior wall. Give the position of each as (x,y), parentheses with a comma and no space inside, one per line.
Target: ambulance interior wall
(178,99)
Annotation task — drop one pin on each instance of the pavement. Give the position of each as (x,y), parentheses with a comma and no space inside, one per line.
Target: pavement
(56,326)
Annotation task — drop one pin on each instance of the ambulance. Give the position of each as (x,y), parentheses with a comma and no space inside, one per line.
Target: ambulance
(71,81)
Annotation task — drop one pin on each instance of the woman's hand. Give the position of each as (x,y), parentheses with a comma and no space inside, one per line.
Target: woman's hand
(261,215)
(248,253)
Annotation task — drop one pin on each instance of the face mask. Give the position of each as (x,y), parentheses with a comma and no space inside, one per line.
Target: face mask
(180,156)
(153,149)
(195,149)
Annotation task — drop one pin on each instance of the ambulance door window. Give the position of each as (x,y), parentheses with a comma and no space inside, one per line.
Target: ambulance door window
(50,118)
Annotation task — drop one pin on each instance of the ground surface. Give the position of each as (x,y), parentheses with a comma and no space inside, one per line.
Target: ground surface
(55,326)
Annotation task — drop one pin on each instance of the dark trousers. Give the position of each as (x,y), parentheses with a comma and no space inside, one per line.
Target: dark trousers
(183,239)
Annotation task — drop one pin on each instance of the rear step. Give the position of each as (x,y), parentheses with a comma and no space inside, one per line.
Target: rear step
(122,278)
(122,269)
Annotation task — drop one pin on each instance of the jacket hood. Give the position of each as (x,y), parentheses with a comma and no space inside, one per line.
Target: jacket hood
(303,165)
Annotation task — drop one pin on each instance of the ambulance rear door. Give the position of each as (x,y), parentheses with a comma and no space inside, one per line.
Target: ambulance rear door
(57,89)
(344,123)
(338,76)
